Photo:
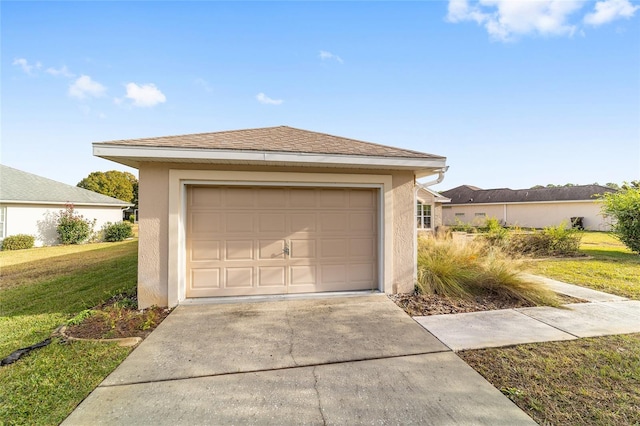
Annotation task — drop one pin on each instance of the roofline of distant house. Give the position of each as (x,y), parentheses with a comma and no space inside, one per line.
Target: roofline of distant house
(62,203)
(524,202)
(133,155)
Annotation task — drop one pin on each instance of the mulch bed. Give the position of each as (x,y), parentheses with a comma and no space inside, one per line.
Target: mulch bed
(416,304)
(110,320)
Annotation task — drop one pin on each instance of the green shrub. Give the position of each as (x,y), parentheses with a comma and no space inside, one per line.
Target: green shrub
(18,242)
(73,228)
(494,233)
(132,218)
(624,207)
(551,241)
(112,232)
(463,270)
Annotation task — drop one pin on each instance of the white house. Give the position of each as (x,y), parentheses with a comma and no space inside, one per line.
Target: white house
(29,205)
(528,208)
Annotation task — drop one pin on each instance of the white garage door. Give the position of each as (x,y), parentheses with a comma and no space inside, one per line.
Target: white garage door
(263,240)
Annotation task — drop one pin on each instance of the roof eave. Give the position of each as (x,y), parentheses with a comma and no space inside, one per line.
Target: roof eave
(58,203)
(132,156)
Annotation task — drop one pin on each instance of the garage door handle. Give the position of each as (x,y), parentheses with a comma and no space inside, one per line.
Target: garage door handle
(286,250)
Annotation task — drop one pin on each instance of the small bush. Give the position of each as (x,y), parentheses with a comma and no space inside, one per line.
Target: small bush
(132,218)
(494,233)
(113,232)
(551,241)
(463,270)
(73,228)
(18,242)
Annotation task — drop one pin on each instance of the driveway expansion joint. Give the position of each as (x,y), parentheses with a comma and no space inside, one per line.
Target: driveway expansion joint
(265,370)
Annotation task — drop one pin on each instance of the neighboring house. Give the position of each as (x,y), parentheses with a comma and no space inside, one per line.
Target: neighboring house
(529,208)
(272,211)
(29,205)
(429,209)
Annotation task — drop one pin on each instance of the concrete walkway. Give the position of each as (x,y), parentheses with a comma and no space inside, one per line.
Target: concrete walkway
(605,314)
(348,360)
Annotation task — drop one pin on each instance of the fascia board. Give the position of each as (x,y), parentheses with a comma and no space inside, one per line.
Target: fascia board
(130,154)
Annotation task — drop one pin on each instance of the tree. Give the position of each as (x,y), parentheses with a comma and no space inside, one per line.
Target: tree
(120,185)
(624,207)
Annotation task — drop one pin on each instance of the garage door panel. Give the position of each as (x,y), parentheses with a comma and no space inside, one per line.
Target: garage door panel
(238,246)
(270,249)
(205,222)
(334,248)
(271,223)
(205,197)
(269,198)
(302,198)
(239,197)
(331,274)
(303,275)
(363,273)
(334,222)
(239,222)
(332,198)
(239,250)
(205,278)
(239,277)
(362,248)
(362,223)
(303,222)
(303,249)
(205,250)
(361,199)
(270,276)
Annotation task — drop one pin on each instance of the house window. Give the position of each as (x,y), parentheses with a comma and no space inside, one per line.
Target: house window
(459,214)
(481,215)
(424,216)
(3,222)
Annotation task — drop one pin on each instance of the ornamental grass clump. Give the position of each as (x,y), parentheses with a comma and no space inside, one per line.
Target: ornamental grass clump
(474,268)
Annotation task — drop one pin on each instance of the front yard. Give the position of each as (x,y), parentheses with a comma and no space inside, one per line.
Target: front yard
(585,381)
(40,289)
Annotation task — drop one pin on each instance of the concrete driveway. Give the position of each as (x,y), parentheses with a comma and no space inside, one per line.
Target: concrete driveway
(347,360)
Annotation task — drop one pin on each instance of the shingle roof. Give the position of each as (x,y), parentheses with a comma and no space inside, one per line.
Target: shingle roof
(466,194)
(19,186)
(275,139)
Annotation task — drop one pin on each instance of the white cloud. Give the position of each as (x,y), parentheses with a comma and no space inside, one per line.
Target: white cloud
(609,10)
(264,99)
(85,87)
(146,95)
(24,64)
(325,56)
(63,71)
(506,19)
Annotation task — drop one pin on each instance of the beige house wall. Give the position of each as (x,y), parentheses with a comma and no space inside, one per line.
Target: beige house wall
(161,202)
(531,215)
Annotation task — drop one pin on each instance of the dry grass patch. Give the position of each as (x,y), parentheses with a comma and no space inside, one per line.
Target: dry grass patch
(469,269)
(587,381)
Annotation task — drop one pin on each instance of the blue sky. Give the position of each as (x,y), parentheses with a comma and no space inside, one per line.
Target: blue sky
(514,93)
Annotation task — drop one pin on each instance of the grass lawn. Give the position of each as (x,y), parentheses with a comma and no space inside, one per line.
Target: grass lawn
(612,267)
(586,381)
(42,288)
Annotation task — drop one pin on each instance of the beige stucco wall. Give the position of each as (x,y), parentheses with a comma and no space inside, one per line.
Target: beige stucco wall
(39,220)
(532,215)
(155,260)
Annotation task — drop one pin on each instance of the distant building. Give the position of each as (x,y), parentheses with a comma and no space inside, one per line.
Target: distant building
(528,208)
(29,205)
